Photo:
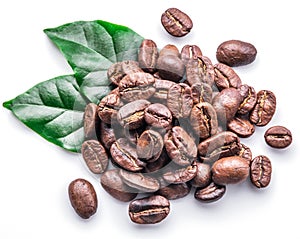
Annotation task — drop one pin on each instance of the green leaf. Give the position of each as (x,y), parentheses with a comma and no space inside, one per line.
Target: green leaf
(54,109)
(90,48)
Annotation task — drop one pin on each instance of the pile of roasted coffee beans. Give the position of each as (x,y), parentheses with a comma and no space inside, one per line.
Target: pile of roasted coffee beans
(173,124)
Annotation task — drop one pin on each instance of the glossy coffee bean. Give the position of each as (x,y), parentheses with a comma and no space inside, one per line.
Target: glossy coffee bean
(190,52)
(174,191)
(203,176)
(242,127)
(245,153)
(278,137)
(201,92)
(149,210)
(230,170)
(158,116)
(261,171)
(210,193)
(249,99)
(107,135)
(236,53)
(147,56)
(91,121)
(181,175)
(176,22)
(94,155)
(161,93)
(83,198)
(226,77)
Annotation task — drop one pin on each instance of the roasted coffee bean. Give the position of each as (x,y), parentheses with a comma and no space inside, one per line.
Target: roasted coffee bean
(149,210)
(139,182)
(162,88)
(201,92)
(149,145)
(203,176)
(249,99)
(131,115)
(158,116)
(226,104)
(94,155)
(133,135)
(242,127)
(147,56)
(83,198)
(136,86)
(158,164)
(181,175)
(236,53)
(220,145)
(180,146)
(245,153)
(109,106)
(226,77)
(278,137)
(124,154)
(190,52)
(91,121)
(107,135)
(261,170)
(204,120)
(114,186)
(264,108)
(176,22)
(180,101)
(174,191)
(230,170)
(210,193)
(169,49)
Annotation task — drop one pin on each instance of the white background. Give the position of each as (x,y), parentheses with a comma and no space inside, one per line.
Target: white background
(35,174)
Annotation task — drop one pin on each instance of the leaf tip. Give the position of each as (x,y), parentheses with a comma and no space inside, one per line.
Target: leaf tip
(7,104)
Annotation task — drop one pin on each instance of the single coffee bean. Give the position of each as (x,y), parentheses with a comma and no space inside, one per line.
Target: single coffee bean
(245,153)
(201,92)
(176,22)
(261,170)
(124,155)
(264,108)
(91,121)
(94,155)
(149,145)
(249,99)
(190,52)
(226,77)
(147,56)
(131,115)
(278,137)
(203,176)
(83,198)
(181,175)
(158,116)
(158,164)
(107,135)
(174,191)
(162,88)
(114,186)
(136,86)
(220,145)
(139,182)
(204,120)
(180,101)
(230,170)
(210,193)
(180,146)
(169,49)
(242,127)
(236,53)
(149,210)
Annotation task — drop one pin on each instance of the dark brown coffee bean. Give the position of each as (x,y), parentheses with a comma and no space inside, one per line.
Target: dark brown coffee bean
(94,155)
(242,127)
(210,193)
(264,108)
(149,210)
(220,145)
(176,22)
(180,101)
(162,88)
(158,116)
(124,154)
(204,120)
(139,182)
(261,170)
(245,153)
(83,198)
(174,191)
(131,115)
(162,161)
(203,176)
(147,56)
(226,77)
(181,175)
(236,53)
(136,86)
(107,135)
(91,121)
(149,145)
(190,52)
(278,137)
(249,99)
(230,170)
(180,147)
(114,186)
(201,92)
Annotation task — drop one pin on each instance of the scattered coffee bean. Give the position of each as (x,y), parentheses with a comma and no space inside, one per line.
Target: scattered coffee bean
(278,137)
(242,127)
(174,191)
(211,193)
(190,52)
(147,56)
(261,170)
